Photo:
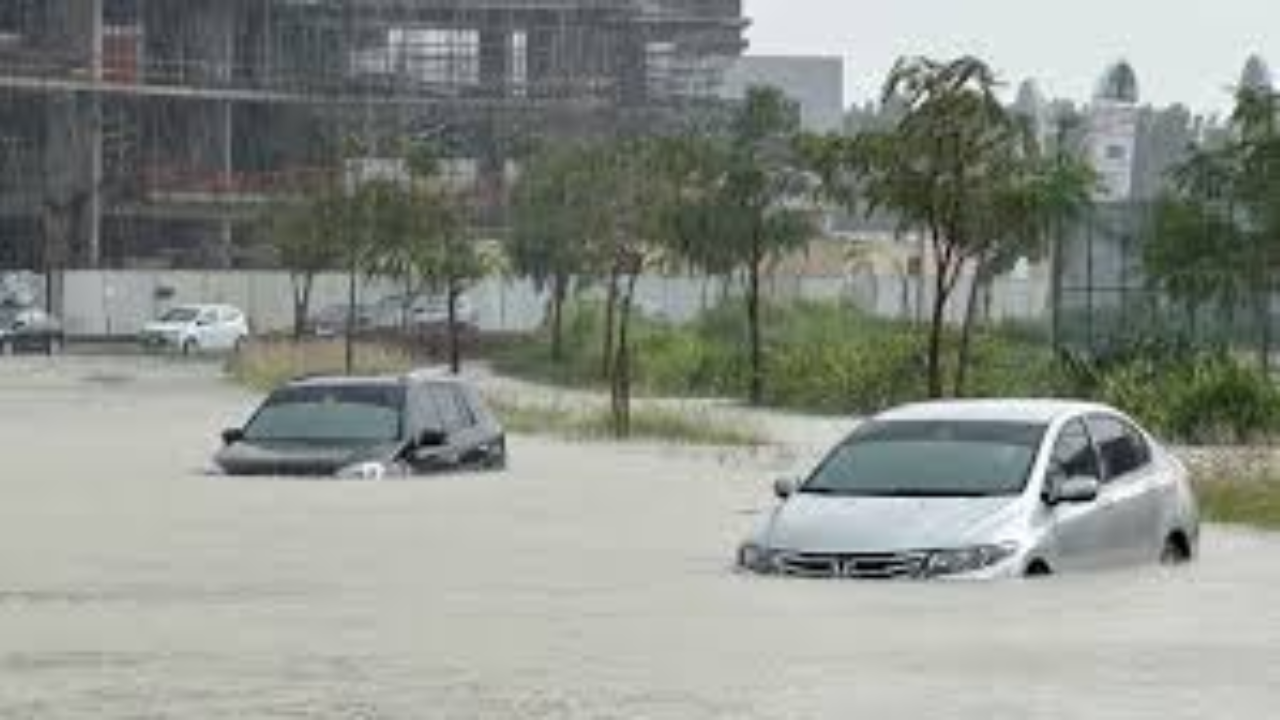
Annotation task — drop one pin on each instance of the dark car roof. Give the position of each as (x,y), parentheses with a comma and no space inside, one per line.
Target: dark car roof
(435,377)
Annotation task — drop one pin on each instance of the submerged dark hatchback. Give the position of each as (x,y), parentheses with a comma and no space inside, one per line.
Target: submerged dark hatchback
(366,429)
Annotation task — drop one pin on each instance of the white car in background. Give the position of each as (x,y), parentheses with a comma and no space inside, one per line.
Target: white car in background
(194,329)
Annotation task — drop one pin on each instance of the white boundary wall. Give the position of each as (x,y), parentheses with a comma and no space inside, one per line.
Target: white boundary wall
(118,303)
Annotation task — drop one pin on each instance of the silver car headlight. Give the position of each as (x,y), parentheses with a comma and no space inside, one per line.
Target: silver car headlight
(363,471)
(961,561)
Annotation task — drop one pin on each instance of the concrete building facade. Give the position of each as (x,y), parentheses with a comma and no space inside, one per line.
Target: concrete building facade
(1113,133)
(152,132)
(816,84)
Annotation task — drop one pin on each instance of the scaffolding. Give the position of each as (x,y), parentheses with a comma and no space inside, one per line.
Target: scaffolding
(150,132)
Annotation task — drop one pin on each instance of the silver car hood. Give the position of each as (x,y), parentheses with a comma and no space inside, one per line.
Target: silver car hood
(825,524)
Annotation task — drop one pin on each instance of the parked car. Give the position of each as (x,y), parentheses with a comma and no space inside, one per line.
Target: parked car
(29,329)
(195,329)
(982,489)
(331,321)
(424,312)
(367,429)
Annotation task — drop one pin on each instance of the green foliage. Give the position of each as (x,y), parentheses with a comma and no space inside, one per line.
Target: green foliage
(1222,399)
(1241,499)
(962,169)
(828,358)
(667,425)
(1217,237)
(1197,398)
(555,215)
(266,365)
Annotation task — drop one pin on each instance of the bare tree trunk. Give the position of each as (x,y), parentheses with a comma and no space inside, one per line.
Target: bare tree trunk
(406,306)
(610,321)
(937,322)
(302,286)
(349,333)
(559,290)
(1264,336)
(923,249)
(623,367)
(966,332)
(753,326)
(455,344)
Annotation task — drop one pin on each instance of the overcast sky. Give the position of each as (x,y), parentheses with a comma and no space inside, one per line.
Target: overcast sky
(1189,51)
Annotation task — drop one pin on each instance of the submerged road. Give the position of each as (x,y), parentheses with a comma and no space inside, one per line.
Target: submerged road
(589,582)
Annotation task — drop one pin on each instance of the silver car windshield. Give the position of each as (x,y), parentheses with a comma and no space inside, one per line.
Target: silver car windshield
(354,415)
(931,459)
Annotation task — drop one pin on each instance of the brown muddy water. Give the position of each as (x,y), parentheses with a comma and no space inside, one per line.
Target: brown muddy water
(591,581)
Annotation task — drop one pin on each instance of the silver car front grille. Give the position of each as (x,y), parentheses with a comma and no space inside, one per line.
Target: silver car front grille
(859,566)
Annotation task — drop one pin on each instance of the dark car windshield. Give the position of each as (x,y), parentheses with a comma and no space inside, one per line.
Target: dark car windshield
(931,459)
(180,315)
(345,415)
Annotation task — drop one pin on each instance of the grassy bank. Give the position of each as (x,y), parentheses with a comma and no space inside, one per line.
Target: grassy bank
(829,358)
(677,426)
(823,357)
(264,366)
(1252,500)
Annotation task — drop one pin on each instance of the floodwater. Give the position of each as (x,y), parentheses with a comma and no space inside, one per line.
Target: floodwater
(589,582)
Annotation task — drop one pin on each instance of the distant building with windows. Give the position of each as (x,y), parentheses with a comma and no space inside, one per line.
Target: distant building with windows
(815,83)
(1113,133)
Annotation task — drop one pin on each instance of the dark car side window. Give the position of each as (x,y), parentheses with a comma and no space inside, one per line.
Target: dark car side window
(427,415)
(1074,452)
(465,413)
(1122,447)
(447,403)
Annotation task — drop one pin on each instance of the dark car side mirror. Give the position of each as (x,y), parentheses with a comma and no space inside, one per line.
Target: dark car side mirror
(784,488)
(232,436)
(433,437)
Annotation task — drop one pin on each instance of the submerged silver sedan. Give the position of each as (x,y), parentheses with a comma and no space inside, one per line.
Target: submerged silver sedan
(982,489)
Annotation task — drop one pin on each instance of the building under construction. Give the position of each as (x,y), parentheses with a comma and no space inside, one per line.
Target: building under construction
(152,133)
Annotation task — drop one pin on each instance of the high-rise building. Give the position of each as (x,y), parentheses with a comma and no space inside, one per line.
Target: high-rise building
(814,83)
(1113,133)
(155,131)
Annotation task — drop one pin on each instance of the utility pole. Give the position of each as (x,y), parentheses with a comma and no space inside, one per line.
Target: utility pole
(96,171)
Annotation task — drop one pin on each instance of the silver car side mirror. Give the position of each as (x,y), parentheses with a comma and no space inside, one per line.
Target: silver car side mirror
(1074,491)
(784,488)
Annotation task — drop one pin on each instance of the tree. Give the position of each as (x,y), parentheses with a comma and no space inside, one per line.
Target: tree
(307,238)
(1217,233)
(944,158)
(422,239)
(740,201)
(550,238)
(962,170)
(461,267)
(1194,254)
(1257,186)
(1030,199)
(635,194)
